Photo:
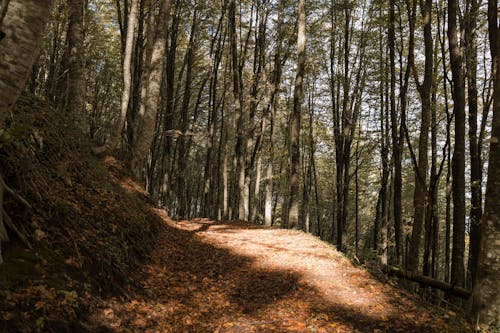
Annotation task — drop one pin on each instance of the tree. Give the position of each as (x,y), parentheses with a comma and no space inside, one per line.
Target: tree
(115,136)
(396,138)
(23,26)
(421,167)
(155,53)
(476,174)
(458,173)
(485,299)
(294,129)
(76,61)
(241,115)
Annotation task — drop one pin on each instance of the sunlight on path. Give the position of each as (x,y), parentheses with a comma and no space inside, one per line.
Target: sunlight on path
(236,277)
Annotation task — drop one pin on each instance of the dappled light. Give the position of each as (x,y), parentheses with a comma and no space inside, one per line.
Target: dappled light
(237,277)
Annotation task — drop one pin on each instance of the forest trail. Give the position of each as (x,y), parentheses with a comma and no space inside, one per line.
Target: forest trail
(237,277)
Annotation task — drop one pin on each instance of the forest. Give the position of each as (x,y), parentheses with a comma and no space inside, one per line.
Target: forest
(366,128)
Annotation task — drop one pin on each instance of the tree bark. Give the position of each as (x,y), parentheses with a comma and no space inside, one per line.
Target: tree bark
(396,151)
(154,75)
(115,137)
(424,89)
(294,126)
(476,174)
(3,11)
(485,308)
(458,167)
(23,25)
(76,62)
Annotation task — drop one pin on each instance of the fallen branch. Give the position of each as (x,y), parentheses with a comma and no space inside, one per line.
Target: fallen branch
(427,281)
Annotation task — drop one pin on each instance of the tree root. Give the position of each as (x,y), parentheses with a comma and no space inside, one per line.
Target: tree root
(8,221)
(5,219)
(14,194)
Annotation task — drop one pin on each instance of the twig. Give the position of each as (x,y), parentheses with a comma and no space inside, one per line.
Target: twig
(264,322)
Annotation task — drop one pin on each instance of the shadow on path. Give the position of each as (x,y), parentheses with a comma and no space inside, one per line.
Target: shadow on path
(200,280)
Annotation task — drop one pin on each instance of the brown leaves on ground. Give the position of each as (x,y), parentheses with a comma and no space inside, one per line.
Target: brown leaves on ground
(236,277)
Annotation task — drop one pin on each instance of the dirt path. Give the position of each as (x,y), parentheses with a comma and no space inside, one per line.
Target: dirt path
(234,277)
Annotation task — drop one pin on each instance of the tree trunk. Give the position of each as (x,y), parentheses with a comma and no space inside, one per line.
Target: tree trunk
(476,211)
(182,169)
(115,137)
(154,75)
(23,25)
(241,121)
(76,62)
(485,301)
(294,126)
(420,196)
(396,151)
(458,168)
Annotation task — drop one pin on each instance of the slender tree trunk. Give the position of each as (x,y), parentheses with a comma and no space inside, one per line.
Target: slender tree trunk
(182,169)
(76,62)
(115,137)
(470,23)
(441,34)
(356,202)
(241,142)
(273,103)
(485,300)
(420,196)
(396,151)
(458,169)
(294,127)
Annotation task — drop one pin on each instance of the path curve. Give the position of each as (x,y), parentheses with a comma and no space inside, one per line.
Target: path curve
(237,277)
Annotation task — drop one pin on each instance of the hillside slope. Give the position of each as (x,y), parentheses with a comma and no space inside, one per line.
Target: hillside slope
(103,260)
(90,228)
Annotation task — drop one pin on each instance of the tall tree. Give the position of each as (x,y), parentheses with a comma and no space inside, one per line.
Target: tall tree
(116,135)
(458,171)
(271,111)
(241,116)
(421,168)
(294,126)
(76,62)
(396,151)
(476,174)
(153,74)
(485,298)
